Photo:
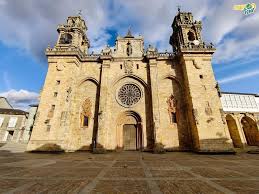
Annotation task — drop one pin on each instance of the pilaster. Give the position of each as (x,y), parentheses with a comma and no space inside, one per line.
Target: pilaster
(103,115)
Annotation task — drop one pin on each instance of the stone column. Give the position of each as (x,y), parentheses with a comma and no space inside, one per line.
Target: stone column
(237,118)
(101,142)
(155,100)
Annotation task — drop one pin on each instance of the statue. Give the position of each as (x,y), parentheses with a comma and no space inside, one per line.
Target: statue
(172,106)
(171,103)
(129,49)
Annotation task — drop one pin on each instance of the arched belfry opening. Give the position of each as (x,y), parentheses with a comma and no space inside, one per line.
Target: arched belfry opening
(233,130)
(129,131)
(191,36)
(250,130)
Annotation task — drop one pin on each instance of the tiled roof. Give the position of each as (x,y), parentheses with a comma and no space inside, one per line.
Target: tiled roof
(12,111)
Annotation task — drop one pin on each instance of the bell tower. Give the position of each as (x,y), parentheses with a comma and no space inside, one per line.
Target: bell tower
(73,34)
(205,114)
(185,31)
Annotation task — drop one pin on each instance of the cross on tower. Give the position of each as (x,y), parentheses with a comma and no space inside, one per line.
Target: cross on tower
(178,8)
(80,12)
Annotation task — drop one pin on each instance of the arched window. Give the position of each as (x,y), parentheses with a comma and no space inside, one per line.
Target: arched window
(191,36)
(137,66)
(66,38)
(85,121)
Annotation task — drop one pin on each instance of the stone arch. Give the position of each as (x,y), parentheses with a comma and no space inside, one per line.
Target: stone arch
(170,83)
(91,79)
(250,130)
(125,121)
(88,90)
(191,36)
(135,78)
(172,77)
(233,130)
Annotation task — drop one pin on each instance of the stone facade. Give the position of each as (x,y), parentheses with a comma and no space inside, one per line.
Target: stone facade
(130,97)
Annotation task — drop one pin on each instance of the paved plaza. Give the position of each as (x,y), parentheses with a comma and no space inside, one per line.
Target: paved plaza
(128,172)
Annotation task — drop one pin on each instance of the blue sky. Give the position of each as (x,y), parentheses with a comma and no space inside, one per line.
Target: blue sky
(29,26)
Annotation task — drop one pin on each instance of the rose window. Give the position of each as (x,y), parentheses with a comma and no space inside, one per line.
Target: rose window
(129,94)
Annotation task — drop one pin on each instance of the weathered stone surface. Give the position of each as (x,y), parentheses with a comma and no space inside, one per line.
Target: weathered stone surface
(129,172)
(130,97)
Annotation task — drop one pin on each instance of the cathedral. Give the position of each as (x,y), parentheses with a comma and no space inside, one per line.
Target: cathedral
(130,97)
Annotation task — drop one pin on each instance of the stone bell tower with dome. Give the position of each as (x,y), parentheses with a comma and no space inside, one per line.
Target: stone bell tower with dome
(72,34)
(130,97)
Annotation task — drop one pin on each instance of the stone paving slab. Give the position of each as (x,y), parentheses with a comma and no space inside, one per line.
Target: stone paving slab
(171,173)
(186,186)
(241,186)
(128,172)
(216,173)
(9,184)
(128,186)
(125,172)
(53,186)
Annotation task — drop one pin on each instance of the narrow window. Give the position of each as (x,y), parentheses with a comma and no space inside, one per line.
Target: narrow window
(52,107)
(201,76)
(137,66)
(58,82)
(121,66)
(86,121)
(173,117)
(55,94)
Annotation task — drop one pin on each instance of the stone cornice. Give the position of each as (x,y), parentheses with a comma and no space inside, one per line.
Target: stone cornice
(83,57)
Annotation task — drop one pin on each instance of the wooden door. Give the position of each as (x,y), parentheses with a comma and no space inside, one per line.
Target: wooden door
(129,137)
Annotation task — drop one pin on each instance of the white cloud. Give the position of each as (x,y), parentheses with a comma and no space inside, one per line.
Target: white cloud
(31,25)
(239,76)
(20,99)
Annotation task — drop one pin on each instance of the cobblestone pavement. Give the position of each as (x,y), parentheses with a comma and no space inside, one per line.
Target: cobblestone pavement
(128,172)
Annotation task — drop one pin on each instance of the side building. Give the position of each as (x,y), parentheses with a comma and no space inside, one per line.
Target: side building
(12,122)
(242,117)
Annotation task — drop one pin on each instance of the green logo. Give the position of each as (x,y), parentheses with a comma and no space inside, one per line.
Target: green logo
(249,8)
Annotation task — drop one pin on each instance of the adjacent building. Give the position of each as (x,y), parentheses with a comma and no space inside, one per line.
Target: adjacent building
(242,117)
(12,122)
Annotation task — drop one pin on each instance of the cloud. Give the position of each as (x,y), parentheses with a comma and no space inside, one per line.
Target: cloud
(31,25)
(21,99)
(239,76)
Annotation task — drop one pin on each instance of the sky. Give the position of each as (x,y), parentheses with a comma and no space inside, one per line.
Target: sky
(29,26)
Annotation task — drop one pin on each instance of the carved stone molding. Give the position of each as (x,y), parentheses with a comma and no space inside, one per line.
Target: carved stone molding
(128,66)
(86,107)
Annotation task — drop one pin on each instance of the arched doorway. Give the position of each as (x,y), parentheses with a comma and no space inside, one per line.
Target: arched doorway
(250,130)
(129,131)
(233,130)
